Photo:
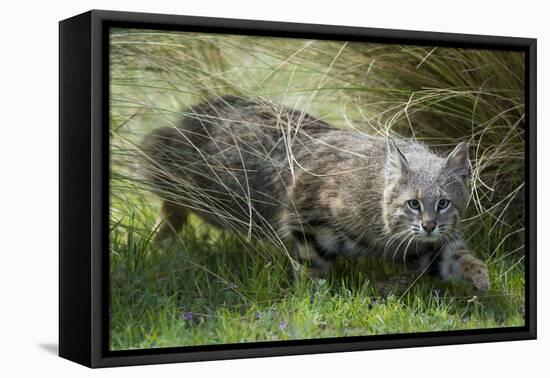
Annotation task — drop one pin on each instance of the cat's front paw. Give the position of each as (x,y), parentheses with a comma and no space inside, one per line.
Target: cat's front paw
(476,272)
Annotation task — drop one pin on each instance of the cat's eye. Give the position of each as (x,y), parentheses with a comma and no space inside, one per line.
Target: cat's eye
(442,204)
(414,204)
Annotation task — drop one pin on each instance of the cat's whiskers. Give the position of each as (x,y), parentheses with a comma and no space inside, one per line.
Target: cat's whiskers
(388,243)
(362,231)
(401,243)
(392,240)
(389,235)
(406,248)
(389,231)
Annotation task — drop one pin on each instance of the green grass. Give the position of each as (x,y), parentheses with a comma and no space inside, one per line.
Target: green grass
(215,287)
(211,287)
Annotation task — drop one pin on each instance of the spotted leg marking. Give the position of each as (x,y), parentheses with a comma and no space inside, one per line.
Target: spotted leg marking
(456,263)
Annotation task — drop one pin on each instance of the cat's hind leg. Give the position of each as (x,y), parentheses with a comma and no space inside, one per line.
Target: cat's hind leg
(174,217)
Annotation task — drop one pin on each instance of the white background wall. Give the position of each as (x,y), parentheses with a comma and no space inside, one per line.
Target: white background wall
(29,189)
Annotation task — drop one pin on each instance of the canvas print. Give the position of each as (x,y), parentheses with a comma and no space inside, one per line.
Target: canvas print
(265,189)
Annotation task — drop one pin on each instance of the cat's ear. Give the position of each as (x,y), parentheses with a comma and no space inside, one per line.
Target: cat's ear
(458,161)
(396,162)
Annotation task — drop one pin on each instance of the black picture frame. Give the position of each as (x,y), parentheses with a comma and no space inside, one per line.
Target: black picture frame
(84,191)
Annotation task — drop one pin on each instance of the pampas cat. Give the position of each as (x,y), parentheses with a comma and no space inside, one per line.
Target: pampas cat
(261,169)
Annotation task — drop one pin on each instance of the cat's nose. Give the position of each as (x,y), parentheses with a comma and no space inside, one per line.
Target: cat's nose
(428,226)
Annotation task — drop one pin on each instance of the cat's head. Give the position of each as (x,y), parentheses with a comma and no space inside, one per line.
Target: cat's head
(425,195)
